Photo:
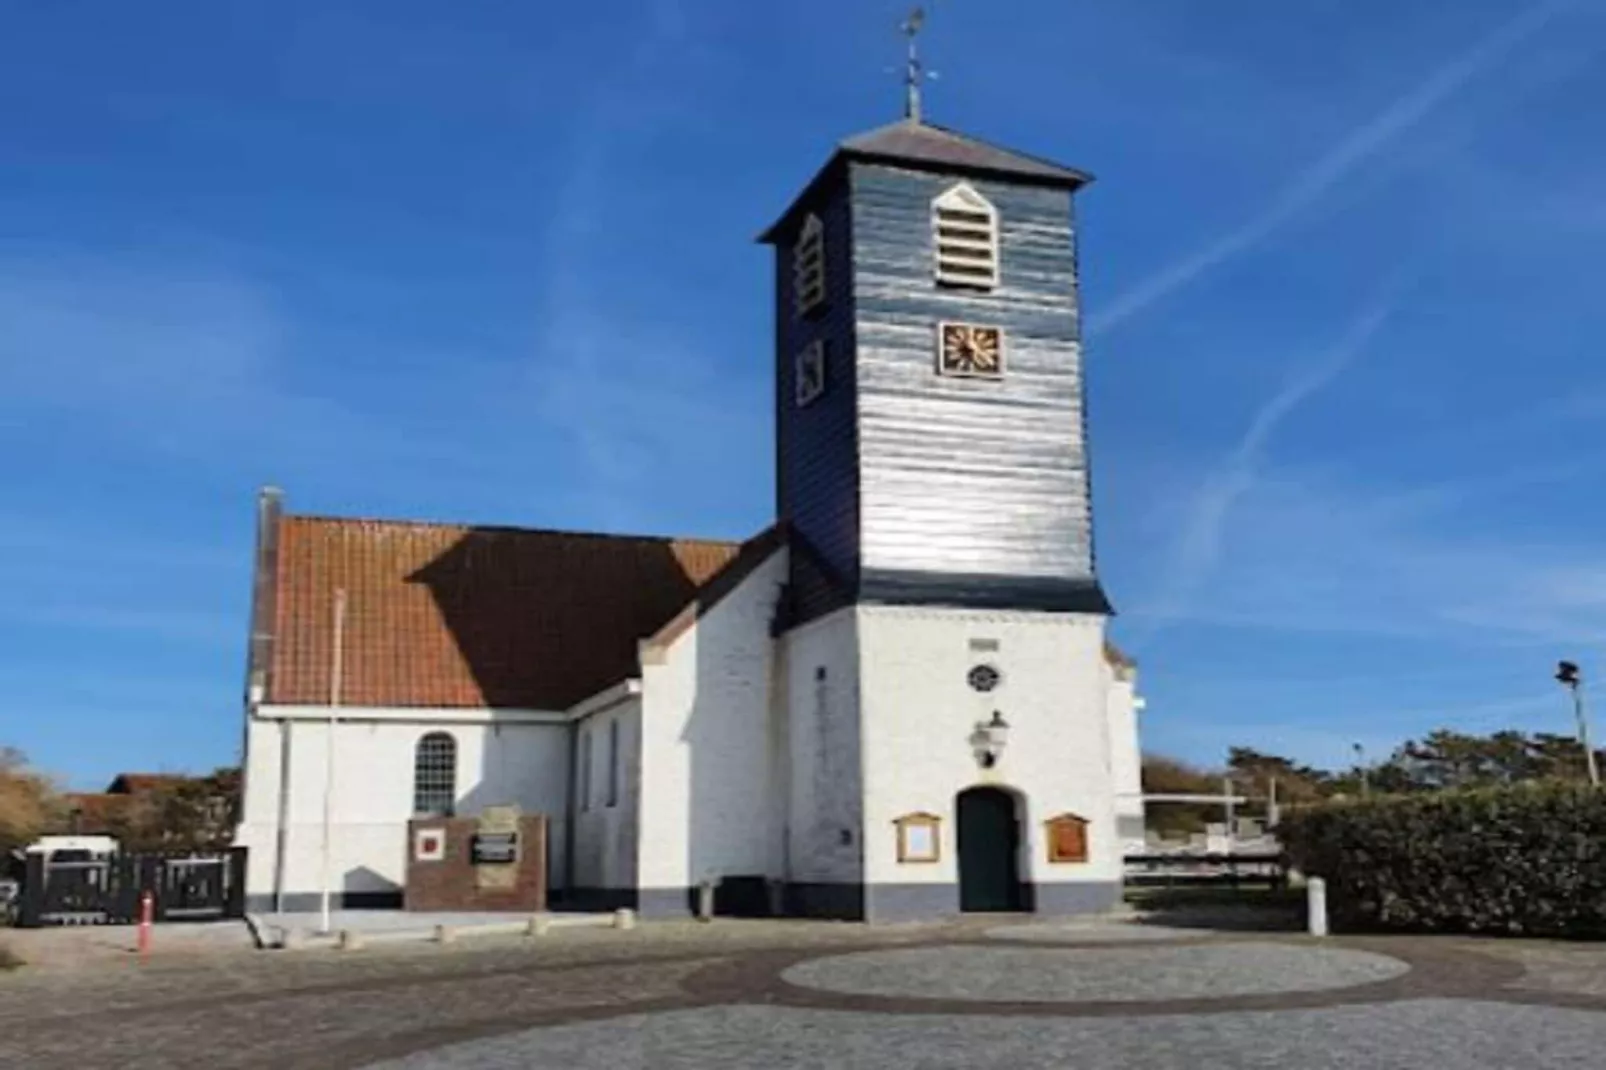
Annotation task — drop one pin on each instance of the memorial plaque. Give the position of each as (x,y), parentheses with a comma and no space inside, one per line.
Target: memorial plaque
(494,850)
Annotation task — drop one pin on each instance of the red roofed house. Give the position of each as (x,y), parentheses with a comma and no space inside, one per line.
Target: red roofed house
(896,702)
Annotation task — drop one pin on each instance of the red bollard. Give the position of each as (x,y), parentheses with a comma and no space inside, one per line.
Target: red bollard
(147,911)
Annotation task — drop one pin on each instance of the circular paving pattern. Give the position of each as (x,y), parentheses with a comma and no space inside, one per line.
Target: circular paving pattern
(1069,975)
(1414,1035)
(1087,933)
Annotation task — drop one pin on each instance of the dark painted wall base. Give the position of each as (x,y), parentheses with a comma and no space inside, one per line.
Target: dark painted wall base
(310,902)
(748,897)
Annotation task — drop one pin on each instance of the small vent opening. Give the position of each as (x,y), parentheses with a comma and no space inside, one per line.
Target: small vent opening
(966,227)
(808,266)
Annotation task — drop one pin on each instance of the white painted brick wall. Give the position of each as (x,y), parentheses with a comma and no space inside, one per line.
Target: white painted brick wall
(918,713)
(606,843)
(822,727)
(373,795)
(705,729)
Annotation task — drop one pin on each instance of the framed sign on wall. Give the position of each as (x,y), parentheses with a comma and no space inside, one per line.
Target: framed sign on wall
(1067,838)
(429,845)
(919,837)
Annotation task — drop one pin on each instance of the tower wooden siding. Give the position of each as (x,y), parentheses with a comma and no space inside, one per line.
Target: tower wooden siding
(973,490)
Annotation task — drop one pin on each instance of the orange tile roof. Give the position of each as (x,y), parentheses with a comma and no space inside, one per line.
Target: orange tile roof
(455,616)
(92,813)
(138,783)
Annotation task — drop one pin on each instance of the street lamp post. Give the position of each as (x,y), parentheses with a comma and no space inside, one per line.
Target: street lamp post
(1568,676)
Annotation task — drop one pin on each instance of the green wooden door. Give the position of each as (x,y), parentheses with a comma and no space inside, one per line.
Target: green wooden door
(989,843)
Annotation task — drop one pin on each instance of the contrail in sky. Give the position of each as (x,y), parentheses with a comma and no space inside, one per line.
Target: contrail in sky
(1312,184)
(1199,545)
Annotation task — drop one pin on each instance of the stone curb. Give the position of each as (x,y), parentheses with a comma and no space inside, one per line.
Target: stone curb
(270,937)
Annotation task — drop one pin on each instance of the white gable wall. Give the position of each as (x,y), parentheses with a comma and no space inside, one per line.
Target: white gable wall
(918,715)
(606,831)
(498,761)
(1126,760)
(705,712)
(821,714)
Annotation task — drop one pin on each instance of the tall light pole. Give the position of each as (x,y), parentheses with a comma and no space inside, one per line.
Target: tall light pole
(1568,676)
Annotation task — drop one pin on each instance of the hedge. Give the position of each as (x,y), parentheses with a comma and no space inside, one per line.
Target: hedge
(1525,859)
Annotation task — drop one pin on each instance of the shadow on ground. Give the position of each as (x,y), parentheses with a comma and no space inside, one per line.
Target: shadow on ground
(1228,910)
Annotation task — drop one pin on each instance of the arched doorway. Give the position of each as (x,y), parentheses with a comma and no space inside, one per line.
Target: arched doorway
(989,851)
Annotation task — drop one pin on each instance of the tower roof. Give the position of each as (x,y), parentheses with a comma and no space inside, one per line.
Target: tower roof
(916,142)
(925,146)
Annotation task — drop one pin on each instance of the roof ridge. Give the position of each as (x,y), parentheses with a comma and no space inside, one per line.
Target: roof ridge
(398,522)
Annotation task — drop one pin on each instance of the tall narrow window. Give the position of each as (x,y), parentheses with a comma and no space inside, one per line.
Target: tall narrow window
(613,762)
(435,775)
(808,266)
(585,769)
(966,230)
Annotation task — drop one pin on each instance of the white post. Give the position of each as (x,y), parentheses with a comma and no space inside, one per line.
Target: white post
(1272,814)
(1232,812)
(1583,734)
(1316,906)
(335,667)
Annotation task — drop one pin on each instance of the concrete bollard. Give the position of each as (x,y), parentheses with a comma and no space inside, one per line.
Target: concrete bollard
(350,940)
(538,926)
(624,919)
(445,934)
(1316,906)
(705,900)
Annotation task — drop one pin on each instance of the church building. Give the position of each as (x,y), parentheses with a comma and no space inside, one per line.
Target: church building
(897,702)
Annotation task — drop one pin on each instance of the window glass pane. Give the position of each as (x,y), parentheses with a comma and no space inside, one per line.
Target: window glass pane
(435,775)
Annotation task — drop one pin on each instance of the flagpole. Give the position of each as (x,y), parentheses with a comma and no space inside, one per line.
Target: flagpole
(336,666)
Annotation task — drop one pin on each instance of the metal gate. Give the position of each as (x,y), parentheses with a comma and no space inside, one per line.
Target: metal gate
(184,886)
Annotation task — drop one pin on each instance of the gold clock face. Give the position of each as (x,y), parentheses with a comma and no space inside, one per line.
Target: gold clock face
(970,350)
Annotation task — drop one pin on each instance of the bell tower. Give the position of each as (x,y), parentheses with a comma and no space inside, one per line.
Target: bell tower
(929,405)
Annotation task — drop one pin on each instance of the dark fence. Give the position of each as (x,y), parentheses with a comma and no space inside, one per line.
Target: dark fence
(184,886)
(1206,870)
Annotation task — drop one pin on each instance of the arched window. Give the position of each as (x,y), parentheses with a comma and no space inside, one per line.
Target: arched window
(435,775)
(965,225)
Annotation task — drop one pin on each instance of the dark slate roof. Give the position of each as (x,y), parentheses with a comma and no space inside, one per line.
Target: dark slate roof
(922,143)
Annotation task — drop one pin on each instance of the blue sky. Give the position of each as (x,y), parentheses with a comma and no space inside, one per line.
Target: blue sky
(494,262)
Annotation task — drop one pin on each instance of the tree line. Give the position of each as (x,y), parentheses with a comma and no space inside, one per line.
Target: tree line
(177,813)
(1440,760)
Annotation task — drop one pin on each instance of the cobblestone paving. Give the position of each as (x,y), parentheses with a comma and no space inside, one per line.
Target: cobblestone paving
(1416,1035)
(1575,969)
(1086,933)
(713,996)
(1065,975)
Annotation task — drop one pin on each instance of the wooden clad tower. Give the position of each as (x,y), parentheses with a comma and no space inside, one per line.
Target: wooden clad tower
(930,407)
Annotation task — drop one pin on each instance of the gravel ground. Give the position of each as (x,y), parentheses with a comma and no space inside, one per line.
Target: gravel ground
(1053,975)
(1418,1035)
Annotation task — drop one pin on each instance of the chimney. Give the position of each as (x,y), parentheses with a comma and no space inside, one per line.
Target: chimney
(264,591)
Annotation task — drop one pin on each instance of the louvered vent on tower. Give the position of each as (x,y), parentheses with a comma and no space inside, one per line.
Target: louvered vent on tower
(808,266)
(966,227)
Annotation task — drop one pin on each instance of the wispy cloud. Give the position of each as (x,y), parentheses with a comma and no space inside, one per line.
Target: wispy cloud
(634,398)
(1351,153)
(1198,547)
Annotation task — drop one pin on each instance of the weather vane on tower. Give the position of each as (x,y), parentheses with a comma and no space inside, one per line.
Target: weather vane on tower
(915,72)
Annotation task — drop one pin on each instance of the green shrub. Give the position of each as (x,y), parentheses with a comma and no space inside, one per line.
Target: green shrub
(1526,859)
